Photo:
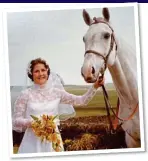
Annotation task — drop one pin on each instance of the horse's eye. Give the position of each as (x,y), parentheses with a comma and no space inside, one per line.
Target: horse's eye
(106,35)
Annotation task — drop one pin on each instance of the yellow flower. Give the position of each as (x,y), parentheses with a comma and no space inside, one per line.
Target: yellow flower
(57,149)
(38,133)
(53,125)
(49,138)
(58,141)
(54,137)
(49,130)
(44,117)
(45,128)
(50,117)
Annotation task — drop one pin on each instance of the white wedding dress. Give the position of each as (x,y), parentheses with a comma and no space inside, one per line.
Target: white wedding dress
(37,101)
(30,143)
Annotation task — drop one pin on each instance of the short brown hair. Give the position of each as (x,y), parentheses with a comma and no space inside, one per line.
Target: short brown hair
(33,63)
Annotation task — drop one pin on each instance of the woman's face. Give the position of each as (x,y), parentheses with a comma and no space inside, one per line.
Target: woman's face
(40,74)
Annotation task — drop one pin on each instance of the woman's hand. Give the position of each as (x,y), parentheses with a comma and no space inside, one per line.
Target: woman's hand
(99,82)
(28,123)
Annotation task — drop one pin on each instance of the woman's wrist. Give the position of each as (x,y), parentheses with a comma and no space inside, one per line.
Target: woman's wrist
(96,85)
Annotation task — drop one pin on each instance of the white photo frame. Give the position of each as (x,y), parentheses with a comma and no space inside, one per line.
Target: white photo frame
(6,58)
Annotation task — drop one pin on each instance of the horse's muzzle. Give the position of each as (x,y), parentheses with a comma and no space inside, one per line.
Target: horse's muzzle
(89,76)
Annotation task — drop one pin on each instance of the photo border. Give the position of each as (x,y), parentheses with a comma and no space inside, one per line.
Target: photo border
(45,7)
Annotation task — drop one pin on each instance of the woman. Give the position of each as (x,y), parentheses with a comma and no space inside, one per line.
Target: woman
(42,99)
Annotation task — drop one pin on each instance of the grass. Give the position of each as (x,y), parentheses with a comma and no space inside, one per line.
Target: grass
(97,105)
(90,112)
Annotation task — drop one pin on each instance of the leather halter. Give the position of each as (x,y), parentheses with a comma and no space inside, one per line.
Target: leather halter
(105,58)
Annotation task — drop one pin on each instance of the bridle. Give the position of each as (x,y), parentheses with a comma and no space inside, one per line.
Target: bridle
(113,128)
(105,58)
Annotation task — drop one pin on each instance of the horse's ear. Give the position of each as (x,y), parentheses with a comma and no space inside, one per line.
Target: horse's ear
(106,14)
(86,17)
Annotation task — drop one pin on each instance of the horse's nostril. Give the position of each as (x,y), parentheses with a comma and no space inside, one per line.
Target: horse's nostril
(93,70)
(89,78)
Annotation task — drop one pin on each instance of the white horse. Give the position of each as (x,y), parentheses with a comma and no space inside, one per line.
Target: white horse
(103,50)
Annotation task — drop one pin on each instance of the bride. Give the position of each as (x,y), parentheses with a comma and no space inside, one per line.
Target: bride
(44,98)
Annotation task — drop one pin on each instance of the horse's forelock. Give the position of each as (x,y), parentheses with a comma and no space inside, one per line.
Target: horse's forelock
(99,19)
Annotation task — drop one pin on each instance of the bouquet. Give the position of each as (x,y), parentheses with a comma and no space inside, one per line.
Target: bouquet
(45,128)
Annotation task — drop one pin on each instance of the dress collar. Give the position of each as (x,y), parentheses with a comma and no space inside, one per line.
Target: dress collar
(41,87)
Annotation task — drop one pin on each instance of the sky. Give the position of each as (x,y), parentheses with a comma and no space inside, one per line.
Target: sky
(56,36)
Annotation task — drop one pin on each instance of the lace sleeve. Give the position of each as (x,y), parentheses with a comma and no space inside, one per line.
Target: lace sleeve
(75,100)
(19,122)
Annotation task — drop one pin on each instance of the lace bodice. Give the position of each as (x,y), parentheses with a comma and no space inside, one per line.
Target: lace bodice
(37,94)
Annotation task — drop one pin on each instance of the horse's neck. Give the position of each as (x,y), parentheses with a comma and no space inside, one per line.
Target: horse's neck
(124,74)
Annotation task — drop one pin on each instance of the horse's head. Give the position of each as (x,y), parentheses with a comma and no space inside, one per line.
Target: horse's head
(100,46)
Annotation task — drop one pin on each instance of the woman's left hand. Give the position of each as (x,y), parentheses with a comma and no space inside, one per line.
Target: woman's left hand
(99,82)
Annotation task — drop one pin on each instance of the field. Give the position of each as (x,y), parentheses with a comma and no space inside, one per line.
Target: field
(89,129)
(98,99)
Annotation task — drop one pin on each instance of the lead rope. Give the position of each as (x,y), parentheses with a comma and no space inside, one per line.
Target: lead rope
(108,111)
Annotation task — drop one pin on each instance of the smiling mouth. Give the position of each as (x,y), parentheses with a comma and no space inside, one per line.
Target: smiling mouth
(41,78)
